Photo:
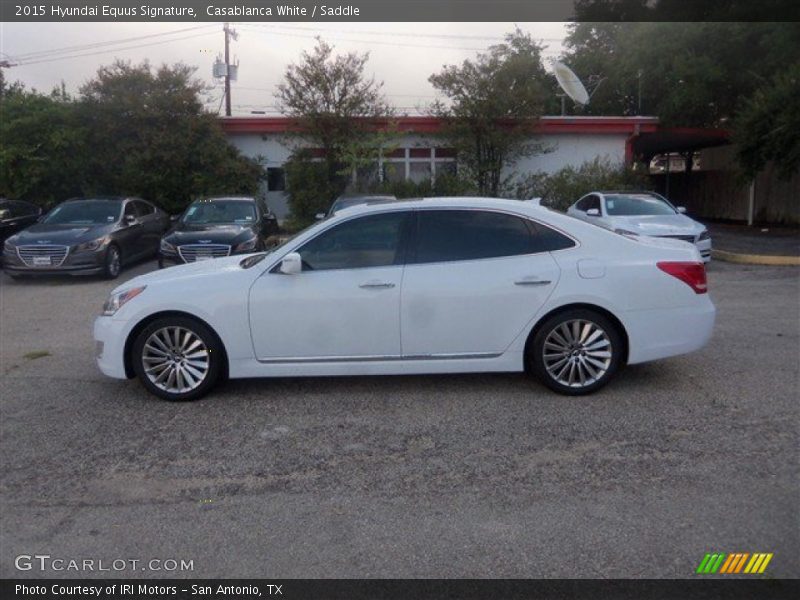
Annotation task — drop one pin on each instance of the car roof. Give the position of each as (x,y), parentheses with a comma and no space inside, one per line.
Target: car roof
(225,198)
(99,199)
(468,202)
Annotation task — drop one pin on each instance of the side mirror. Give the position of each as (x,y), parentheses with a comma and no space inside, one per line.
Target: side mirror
(319,216)
(292,264)
(593,212)
(682,210)
(130,220)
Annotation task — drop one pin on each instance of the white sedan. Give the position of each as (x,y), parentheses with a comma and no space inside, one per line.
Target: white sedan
(444,285)
(642,213)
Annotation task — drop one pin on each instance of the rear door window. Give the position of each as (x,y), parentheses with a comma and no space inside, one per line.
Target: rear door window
(457,235)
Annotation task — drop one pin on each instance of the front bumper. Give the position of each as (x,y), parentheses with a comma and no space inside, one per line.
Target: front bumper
(90,262)
(109,337)
(704,247)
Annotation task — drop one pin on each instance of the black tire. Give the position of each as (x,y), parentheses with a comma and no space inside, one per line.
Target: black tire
(209,339)
(552,377)
(112,264)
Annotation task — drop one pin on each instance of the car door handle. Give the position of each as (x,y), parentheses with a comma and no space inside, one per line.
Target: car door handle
(532,281)
(375,285)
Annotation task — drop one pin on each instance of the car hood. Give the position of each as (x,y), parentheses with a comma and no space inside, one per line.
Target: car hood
(209,234)
(658,224)
(201,269)
(66,235)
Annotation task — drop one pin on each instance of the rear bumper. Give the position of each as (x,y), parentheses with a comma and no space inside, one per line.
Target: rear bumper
(661,333)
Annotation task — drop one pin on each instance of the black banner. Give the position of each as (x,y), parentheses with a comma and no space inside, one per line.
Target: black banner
(399,10)
(414,589)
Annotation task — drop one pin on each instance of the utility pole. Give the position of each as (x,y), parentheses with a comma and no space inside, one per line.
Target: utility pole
(227,30)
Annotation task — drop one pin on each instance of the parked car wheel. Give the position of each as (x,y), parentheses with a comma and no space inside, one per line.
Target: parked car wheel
(113,264)
(177,358)
(576,352)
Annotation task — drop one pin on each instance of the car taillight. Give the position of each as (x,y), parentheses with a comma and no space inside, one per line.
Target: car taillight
(692,274)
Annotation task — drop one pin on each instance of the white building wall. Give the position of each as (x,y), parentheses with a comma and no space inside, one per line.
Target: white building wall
(565,150)
(572,150)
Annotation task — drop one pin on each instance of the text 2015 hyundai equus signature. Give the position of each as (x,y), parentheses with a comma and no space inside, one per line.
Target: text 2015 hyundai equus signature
(447,285)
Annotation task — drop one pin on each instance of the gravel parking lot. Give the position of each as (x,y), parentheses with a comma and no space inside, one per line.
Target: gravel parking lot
(453,476)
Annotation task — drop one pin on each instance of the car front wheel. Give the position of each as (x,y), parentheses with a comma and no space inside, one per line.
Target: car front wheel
(113,263)
(177,358)
(576,352)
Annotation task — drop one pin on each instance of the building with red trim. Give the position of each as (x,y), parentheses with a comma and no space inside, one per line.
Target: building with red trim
(421,150)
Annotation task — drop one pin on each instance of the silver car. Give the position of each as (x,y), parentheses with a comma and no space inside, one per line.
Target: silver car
(642,213)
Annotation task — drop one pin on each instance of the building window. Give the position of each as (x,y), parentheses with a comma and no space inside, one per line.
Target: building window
(276,179)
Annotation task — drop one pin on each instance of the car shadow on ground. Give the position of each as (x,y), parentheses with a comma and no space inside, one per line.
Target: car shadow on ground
(59,279)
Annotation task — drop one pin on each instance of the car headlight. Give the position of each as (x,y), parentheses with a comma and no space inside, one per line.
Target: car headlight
(625,232)
(8,246)
(247,245)
(167,247)
(704,236)
(92,245)
(119,299)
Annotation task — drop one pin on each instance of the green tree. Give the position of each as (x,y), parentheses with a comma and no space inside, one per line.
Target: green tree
(768,126)
(148,134)
(687,74)
(335,106)
(493,104)
(42,146)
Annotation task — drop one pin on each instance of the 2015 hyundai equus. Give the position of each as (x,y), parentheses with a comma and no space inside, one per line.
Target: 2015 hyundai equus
(428,286)
(87,236)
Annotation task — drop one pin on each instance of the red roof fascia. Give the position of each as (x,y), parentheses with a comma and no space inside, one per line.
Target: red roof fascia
(434,125)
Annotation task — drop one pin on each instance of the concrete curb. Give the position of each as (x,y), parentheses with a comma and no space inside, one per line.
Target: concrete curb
(756,259)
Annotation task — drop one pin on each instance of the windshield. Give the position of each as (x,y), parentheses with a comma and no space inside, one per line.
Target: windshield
(220,212)
(90,212)
(636,205)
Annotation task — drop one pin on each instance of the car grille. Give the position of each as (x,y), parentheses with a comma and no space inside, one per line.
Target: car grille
(193,252)
(42,255)
(685,238)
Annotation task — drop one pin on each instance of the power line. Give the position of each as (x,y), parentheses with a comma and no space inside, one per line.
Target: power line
(399,34)
(186,37)
(379,42)
(79,48)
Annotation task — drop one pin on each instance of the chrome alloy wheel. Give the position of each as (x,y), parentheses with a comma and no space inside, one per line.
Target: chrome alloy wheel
(175,359)
(577,353)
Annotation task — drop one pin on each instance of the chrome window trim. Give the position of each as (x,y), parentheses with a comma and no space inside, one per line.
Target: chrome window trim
(393,209)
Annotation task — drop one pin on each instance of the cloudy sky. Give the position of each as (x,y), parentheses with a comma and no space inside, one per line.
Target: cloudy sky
(403,55)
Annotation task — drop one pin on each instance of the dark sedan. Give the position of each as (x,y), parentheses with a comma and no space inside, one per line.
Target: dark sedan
(216,227)
(15,216)
(86,236)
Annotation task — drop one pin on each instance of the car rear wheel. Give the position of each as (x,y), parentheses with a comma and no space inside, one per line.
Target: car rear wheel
(576,352)
(113,262)
(177,358)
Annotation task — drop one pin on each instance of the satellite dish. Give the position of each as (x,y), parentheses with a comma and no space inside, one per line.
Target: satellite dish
(570,83)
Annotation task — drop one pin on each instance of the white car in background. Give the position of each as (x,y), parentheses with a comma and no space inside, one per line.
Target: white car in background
(443,285)
(642,213)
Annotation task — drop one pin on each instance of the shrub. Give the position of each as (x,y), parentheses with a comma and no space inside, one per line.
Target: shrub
(562,188)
